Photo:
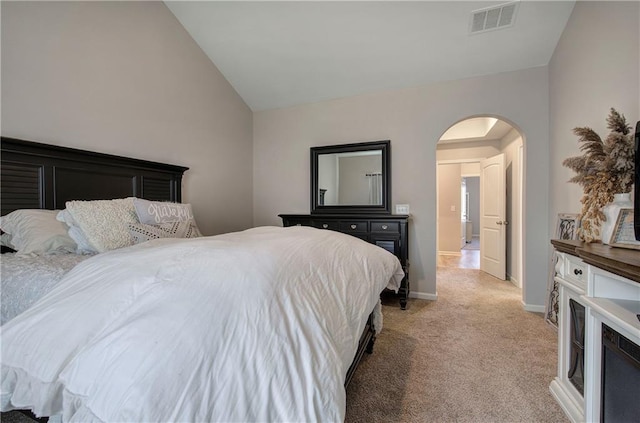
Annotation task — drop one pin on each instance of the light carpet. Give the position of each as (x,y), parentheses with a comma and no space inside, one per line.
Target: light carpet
(474,355)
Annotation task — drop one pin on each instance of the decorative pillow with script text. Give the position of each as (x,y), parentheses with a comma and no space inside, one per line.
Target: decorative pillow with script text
(156,212)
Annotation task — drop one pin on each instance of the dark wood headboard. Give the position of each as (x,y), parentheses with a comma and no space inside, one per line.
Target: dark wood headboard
(42,176)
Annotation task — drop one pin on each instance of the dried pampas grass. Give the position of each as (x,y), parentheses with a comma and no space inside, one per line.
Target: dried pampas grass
(604,169)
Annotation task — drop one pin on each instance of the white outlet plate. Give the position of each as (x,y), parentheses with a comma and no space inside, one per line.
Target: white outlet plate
(402,209)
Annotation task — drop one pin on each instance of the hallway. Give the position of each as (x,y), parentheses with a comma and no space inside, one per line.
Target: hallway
(468,259)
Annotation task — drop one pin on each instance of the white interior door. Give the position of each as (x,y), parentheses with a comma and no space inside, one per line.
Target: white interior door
(492,217)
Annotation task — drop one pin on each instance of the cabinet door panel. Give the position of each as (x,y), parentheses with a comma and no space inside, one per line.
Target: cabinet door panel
(392,245)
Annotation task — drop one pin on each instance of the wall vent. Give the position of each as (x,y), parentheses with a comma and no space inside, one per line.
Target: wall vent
(495,17)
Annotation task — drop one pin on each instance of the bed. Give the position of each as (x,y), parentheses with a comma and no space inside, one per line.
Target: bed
(41,176)
(266,324)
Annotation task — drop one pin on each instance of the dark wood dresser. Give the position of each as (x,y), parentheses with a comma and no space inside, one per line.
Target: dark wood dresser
(384,230)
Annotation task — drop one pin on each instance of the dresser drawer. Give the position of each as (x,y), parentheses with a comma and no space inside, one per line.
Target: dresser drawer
(575,271)
(348,226)
(325,224)
(385,227)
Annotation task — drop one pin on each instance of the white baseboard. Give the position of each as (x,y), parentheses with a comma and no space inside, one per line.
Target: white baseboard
(450,253)
(573,410)
(514,281)
(534,308)
(423,296)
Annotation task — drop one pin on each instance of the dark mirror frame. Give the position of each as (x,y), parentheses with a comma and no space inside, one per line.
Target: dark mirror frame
(384,208)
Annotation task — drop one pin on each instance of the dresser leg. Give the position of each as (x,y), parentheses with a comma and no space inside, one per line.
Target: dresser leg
(403,293)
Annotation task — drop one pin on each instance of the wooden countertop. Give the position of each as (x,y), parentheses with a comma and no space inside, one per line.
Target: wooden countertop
(621,261)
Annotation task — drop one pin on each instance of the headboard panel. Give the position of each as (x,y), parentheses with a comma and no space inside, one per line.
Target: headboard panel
(42,176)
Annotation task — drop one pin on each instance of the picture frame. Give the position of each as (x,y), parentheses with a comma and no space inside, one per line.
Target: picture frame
(552,306)
(567,226)
(623,235)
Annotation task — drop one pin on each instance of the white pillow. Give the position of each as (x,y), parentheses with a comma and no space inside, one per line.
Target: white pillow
(142,232)
(35,231)
(104,223)
(76,234)
(5,241)
(159,212)
(156,212)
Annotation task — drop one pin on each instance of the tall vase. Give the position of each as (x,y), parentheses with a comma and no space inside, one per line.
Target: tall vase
(620,201)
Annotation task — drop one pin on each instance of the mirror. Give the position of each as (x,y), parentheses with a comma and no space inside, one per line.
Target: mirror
(351,178)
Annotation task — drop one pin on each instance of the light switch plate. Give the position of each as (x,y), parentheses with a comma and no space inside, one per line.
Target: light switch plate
(402,209)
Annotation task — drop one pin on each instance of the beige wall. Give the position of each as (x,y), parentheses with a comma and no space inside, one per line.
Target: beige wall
(470,169)
(328,178)
(595,67)
(354,184)
(463,151)
(125,78)
(449,203)
(414,120)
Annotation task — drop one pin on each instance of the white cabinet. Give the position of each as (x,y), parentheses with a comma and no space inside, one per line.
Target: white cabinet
(568,385)
(591,295)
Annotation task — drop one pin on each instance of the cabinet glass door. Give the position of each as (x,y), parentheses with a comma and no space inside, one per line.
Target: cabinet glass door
(576,346)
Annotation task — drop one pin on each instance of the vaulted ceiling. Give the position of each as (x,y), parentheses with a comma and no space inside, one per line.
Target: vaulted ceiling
(281,54)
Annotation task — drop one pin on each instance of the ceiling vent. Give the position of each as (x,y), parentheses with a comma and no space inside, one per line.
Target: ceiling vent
(496,17)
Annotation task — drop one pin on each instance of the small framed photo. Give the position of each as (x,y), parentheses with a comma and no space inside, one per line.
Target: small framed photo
(567,226)
(623,233)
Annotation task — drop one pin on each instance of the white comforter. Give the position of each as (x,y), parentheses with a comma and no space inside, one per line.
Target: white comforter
(259,325)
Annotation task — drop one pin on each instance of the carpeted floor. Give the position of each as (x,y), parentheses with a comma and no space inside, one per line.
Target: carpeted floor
(15,417)
(474,355)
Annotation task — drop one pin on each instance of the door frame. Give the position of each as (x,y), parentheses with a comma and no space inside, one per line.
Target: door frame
(448,161)
(522,162)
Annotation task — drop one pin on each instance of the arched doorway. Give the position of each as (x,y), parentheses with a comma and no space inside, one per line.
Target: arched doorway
(460,153)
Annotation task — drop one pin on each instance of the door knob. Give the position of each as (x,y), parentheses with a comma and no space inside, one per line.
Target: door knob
(499,222)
